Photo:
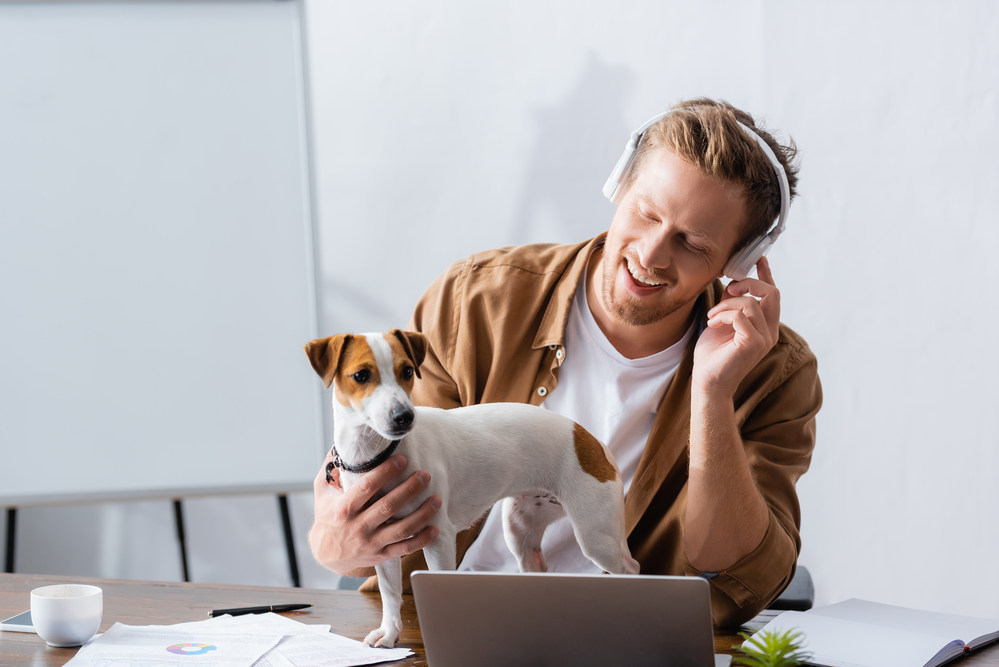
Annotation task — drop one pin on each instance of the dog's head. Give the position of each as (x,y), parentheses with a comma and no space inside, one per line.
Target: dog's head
(372,376)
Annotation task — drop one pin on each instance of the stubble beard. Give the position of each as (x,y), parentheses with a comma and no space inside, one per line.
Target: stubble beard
(625,308)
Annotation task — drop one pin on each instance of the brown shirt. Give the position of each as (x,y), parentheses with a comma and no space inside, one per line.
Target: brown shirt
(495,322)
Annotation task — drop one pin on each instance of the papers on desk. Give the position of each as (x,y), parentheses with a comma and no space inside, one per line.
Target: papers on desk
(259,640)
(857,633)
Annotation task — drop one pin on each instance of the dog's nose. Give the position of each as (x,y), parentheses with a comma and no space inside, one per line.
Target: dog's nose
(402,417)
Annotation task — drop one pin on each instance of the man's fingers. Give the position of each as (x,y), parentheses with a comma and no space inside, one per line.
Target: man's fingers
(365,488)
(751,286)
(770,302)
(414,543)
(410,525)
(746,305)
(764,272)
(763,289)
(745,331)
(395,500)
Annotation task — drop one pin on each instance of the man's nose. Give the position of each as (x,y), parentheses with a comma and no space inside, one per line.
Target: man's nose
(655,252)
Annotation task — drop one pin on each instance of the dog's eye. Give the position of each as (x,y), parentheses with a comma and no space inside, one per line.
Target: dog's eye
(361,376)
(407,373)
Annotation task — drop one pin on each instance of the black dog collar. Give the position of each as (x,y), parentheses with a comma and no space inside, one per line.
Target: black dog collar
(364,467)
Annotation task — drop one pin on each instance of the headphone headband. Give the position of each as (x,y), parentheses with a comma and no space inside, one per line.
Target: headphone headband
(741,262)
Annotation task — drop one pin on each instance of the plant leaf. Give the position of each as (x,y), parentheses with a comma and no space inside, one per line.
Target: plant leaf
(772,649)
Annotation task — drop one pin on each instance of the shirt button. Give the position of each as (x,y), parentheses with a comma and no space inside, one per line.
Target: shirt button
(553,347)
(542,391)
(559,355)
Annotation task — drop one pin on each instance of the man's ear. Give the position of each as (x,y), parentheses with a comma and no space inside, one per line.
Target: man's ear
(415,345)
(324,355)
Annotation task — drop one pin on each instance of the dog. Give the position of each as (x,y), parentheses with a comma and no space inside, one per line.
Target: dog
(543,465)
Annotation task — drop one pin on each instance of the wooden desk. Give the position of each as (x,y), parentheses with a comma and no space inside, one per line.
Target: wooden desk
(146,602)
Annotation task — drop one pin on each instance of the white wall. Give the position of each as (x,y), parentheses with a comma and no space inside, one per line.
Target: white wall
(900,132)
(442,128)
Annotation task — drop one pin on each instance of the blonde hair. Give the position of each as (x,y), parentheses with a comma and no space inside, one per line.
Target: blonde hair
(704,133)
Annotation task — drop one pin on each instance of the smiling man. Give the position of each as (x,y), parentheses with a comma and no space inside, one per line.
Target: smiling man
(707,402)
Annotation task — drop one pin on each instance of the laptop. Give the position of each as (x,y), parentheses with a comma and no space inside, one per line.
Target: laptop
(501,619)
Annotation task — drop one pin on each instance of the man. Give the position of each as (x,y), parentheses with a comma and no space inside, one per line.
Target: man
(706,401)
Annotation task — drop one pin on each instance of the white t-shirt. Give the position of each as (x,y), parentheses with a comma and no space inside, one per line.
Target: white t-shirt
(612,397)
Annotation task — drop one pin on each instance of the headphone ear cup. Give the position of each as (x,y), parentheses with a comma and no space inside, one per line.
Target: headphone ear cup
(742,262)
(612,188)
(619,191)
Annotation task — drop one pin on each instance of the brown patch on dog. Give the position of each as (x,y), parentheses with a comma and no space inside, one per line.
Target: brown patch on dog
(324,355)
(356,357)
(592,458)
(413,344)
(403,357)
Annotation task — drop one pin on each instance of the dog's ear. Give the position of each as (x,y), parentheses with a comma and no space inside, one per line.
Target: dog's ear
(325,354)
(415,345)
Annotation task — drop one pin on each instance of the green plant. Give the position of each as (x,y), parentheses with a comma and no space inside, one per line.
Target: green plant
(772,649)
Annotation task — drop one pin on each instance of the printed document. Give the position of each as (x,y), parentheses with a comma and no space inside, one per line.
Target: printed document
(253,640)
(163,646)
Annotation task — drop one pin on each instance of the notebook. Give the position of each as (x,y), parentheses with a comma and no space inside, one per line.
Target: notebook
(498,619)
(858,633)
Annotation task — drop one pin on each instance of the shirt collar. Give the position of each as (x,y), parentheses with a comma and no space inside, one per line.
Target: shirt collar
(556,317)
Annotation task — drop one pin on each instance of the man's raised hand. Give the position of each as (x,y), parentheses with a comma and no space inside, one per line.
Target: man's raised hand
(742,328)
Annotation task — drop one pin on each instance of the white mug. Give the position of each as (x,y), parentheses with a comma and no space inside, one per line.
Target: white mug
(67,614)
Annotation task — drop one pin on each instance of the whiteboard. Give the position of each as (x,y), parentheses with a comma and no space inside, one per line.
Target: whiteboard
(156,251)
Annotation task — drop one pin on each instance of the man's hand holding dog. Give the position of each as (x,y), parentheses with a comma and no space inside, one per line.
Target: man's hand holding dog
(349,535)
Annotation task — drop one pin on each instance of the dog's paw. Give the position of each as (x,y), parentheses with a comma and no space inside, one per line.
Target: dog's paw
(382,638)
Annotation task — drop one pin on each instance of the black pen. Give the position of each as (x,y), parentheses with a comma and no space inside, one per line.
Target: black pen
(239,611)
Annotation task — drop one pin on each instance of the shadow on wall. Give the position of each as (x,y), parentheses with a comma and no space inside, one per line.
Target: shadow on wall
(579,142)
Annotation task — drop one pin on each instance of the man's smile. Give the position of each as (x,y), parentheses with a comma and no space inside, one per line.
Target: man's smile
(639,278)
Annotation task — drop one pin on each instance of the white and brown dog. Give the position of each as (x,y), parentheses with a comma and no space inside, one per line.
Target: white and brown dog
(476,456)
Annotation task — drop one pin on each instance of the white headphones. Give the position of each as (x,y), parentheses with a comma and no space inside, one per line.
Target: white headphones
(742,262)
